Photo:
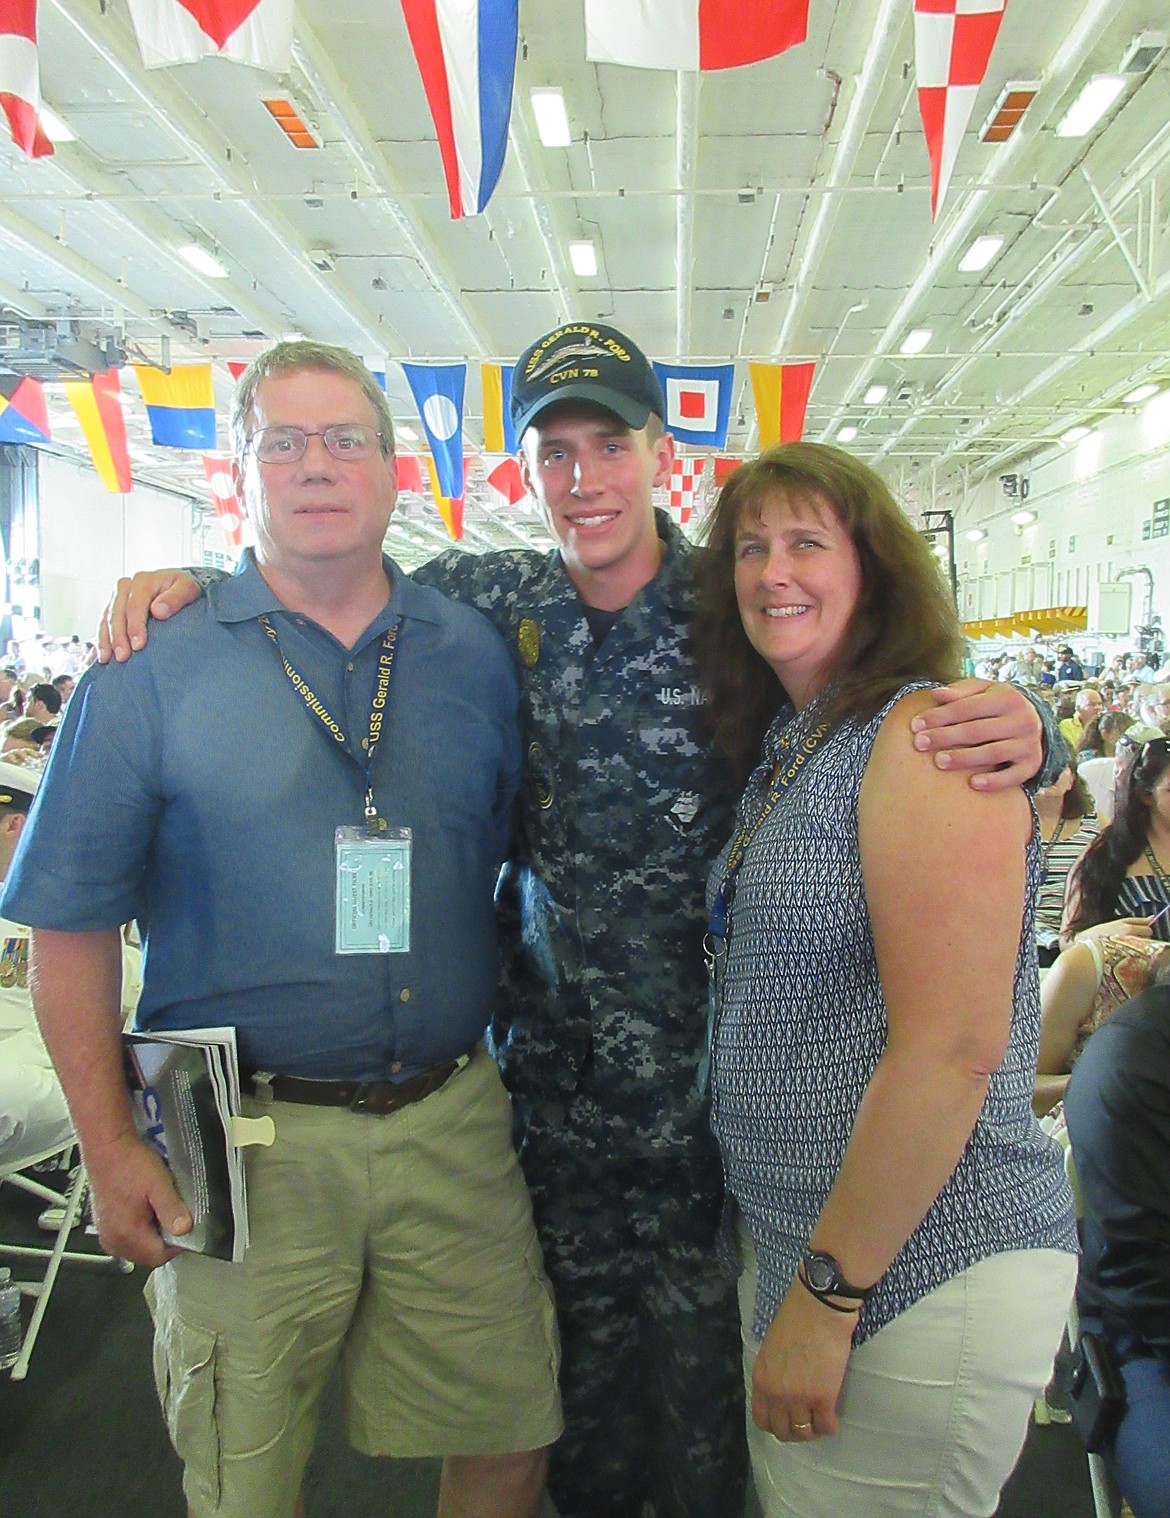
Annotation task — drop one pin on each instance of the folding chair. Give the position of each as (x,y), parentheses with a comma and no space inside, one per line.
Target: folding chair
(70,1202)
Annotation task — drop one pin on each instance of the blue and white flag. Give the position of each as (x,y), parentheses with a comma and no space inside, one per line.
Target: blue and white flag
(698,402)
(466,54)
(438,394)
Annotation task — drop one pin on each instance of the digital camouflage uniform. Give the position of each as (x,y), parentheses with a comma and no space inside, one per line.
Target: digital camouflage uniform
(601,1029)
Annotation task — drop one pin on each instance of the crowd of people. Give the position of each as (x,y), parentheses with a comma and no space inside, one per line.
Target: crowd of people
(766,1145)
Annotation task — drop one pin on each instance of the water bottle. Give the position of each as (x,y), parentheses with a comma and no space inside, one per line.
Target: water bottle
(10,1329)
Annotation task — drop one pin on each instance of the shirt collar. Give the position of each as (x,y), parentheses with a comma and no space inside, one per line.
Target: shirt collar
(246,595)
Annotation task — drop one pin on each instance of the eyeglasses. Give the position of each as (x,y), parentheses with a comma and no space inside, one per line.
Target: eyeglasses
(349,441)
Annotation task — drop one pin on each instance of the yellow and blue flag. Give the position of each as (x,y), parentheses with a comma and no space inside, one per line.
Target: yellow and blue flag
(181,405)
(499,436)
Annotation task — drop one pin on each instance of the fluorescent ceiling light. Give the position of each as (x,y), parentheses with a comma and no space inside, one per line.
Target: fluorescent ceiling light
(915,341)
(975,535)
(980,253)
(202,261)
(846,434)
(1023,518)
(875,395)
(1142,393)
(1074,434)
(1090,105)
(939,550)
(408,432)
(552,120)
(52,125)
(583,257)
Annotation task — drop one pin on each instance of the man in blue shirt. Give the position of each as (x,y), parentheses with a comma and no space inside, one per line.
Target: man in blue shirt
(318,692)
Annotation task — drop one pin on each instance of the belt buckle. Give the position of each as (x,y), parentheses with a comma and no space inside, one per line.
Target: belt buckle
(359,1101)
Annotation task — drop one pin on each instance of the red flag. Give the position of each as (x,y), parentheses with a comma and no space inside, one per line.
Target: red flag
(410,475)
(20,78)
(100,413)
(952,46)
(781,396)
(235,369)
(218,470)
(723,470)
(258,32)
(691,34)
(506,481)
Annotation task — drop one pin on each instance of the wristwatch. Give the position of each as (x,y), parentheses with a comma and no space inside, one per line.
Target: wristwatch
(822,1275)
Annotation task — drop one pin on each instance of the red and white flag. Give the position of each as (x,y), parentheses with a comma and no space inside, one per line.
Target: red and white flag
(691,34)
(684,481)
(506,482)
(20,76)
(218,470)
(953,40)
(258,32)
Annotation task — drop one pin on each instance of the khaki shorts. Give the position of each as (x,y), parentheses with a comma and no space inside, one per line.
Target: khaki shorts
(401,1247)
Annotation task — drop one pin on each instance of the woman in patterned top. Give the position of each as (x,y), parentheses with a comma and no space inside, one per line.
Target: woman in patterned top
(1121,884)
(1086,986)
(1067,827)
(907,1231)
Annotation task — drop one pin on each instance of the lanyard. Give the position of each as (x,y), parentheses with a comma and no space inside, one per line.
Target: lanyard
(720,922)
(313,704)
(1048,848)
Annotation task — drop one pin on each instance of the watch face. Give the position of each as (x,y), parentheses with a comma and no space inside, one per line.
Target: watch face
(820,1271)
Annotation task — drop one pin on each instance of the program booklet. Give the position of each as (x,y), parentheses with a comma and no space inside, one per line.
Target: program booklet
(185,1090)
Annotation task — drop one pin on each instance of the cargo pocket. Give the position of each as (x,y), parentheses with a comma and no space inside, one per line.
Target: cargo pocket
(184,1374)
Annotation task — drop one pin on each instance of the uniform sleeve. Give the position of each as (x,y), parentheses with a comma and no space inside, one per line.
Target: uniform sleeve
(80,862)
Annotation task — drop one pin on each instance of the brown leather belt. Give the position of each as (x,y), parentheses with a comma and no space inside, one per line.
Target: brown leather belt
(378,1098)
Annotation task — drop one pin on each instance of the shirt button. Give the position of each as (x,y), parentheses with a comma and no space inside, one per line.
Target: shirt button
(395,1067)
(404,994)
(300,621)
(349,667)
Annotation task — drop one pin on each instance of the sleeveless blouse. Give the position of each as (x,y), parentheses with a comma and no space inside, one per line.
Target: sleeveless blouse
(1124,967)
(803,1023)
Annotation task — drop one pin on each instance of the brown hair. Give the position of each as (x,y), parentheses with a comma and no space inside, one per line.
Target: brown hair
(903,628)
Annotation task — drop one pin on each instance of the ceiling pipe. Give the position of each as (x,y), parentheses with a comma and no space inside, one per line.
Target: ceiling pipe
(685,153)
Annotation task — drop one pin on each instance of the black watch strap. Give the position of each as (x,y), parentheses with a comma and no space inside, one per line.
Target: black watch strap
(821,1275)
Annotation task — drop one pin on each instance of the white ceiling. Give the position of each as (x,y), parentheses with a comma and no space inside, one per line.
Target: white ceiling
(807,173)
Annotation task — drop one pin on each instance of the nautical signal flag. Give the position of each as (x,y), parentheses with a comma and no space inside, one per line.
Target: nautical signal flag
(438,394)
(450,507)
(235,368)
(722,470)
(781,395)
(506,481)
(410,475)
(953,40)
(499,436)
(684,481)
(99,410)
(181,405)
(20,76)
(466,54)
(692,34)
(698,402)
(218,469)
(24,416)
(258,32)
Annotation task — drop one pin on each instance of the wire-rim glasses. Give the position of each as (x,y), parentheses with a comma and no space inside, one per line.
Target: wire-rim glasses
(348,441)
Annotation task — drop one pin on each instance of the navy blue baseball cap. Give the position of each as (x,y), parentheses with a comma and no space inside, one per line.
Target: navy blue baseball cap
(584,361)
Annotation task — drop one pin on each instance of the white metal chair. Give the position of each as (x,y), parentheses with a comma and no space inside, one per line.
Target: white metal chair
(19,1174)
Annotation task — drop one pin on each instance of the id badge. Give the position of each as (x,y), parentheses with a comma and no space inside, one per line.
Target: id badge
(373,891)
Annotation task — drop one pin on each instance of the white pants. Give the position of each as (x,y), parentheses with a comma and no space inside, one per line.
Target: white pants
(935,1406)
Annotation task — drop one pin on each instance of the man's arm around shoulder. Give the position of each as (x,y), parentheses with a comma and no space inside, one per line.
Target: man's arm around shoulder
(76,988)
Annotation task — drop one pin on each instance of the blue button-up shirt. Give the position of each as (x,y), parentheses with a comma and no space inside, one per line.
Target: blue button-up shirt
(192,788)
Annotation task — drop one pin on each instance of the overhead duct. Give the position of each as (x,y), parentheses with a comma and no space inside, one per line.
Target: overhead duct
(58,350)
